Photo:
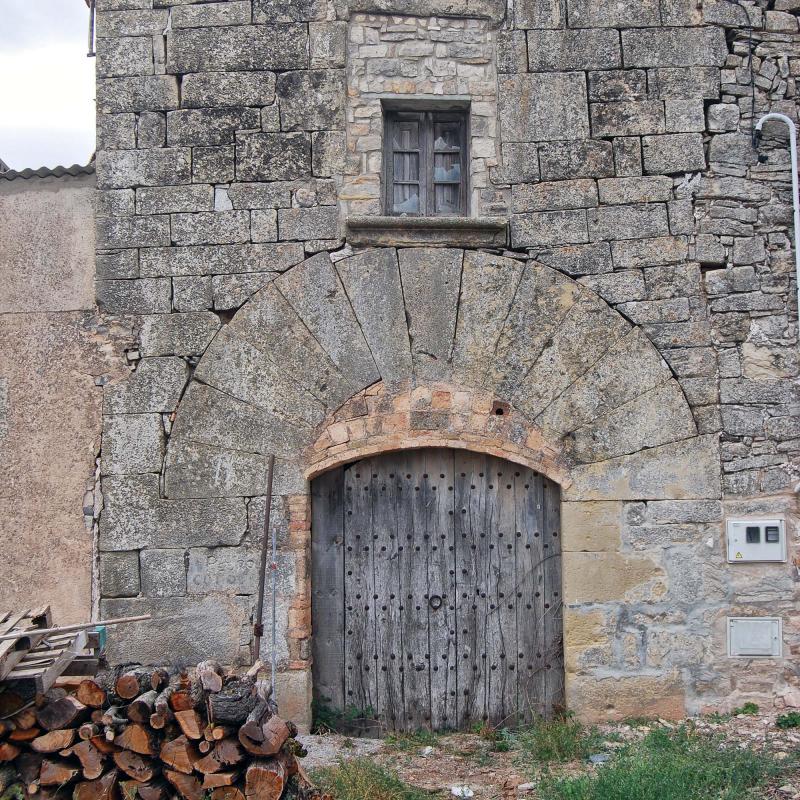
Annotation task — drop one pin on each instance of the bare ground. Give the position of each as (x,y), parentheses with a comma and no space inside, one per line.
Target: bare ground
(462,759)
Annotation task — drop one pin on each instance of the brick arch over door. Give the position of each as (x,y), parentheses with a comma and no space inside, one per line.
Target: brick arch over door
(393,349)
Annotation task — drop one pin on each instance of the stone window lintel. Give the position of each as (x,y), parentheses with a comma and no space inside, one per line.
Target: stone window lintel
(383,231)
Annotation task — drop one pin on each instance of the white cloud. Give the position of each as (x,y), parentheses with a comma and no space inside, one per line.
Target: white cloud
(47,111)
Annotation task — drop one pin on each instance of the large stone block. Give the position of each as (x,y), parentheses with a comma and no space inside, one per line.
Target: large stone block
(223,569)
(272,11)
(119,169)
(512,52)
(148,93)
(116,131)
(519,163)
(152,296)
(620,191)
(733,148)
(117,264)
(592,527)
(683,470)
(163,572)
(641,221)
(215,164)
(219,259)
(135,517)
(549,228)
(543,107)
(119,574)
(273,156)
(538,14)
(618,84)
(556,196)
(136,22)
(631,118)
(228,89)
(431,282)
(606,576)
(674,152)
(315,291)
(638,253)
(238,48)
(232,12)
(561,51)
(261,195)
(154,388)
(622,286)
(174,199)
(328,149)
(312,100)
(132,443)
(675,47)
(619,698)
(578,259)
(602,14)
(181,630)
(308,223)
(583,158)
(210,126)
(680,83)
(114,232)
(372,282)
(213,227)
(124,56)
(177,334)
(328,44)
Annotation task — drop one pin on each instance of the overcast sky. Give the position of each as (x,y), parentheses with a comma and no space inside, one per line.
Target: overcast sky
(46,84)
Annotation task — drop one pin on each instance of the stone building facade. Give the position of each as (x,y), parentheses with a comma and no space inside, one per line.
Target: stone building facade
(621,289)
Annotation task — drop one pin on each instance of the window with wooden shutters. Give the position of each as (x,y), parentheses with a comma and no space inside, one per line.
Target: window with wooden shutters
(425,158)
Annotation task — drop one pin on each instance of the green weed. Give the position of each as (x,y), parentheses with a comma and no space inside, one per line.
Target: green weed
(411,741)
(670,765)
(363,779)
(790,720)
(559,739)
(750,709)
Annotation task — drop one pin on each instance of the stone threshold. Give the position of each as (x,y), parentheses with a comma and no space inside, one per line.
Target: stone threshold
(429,231)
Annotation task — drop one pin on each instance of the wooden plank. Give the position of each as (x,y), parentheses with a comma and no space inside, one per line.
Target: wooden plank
(360,688)
(13,650)
(439,593)
(530,609)
(413,574)
(39,679)
(470,514)
(389,643)
(507,587)
(327,588)
(553,624)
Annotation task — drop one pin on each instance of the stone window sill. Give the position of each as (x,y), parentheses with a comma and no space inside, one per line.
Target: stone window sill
(428,231)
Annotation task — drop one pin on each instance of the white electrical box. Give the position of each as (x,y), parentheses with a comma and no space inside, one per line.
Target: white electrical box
(756,540)
(752,637)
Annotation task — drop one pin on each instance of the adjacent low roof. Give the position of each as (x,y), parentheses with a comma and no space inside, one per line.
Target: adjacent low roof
(48,172)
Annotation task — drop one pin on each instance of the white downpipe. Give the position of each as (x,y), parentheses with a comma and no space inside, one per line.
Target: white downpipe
(795,190)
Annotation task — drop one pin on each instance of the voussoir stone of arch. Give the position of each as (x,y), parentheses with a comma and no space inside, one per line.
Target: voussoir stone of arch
(542,300)
(271,325)
(315,292)
(630,368)
(236,367)
(587,332)
(372,282)
(488,286)
(658,417)
(431,281)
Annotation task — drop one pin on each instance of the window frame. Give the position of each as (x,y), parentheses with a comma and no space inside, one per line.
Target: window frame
(427,118)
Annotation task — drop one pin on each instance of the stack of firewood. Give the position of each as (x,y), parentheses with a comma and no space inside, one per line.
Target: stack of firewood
(148,732)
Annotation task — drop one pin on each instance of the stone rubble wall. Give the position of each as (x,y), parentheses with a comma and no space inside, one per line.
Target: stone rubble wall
(233,140)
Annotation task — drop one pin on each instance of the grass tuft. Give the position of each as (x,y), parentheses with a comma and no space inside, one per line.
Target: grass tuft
(790,720)
(557,740)
(363,779)
(670,765)
(411,741)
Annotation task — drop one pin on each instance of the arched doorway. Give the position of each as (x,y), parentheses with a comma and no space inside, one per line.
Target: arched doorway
(436,590)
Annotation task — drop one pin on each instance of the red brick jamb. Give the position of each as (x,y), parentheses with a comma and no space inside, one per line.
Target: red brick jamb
(382,420)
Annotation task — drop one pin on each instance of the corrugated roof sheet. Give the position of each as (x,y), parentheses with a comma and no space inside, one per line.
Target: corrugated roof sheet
(47,172)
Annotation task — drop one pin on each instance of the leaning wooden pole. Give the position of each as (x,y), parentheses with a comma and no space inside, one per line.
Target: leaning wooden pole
(258,627)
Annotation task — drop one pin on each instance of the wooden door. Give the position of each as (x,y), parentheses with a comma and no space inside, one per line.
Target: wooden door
(437,591)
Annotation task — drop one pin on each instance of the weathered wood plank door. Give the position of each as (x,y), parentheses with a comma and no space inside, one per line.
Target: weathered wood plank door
(436,583)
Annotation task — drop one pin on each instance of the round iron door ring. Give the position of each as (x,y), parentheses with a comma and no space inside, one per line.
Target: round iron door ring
(435,602)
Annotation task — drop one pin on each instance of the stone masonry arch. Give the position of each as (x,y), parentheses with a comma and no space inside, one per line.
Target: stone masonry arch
(390,349)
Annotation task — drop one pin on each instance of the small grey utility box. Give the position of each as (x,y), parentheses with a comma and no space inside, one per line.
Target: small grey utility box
(756,540)
(753,637)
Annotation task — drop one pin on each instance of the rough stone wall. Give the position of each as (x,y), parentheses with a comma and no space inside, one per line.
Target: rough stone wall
(55,353)
(234,137)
